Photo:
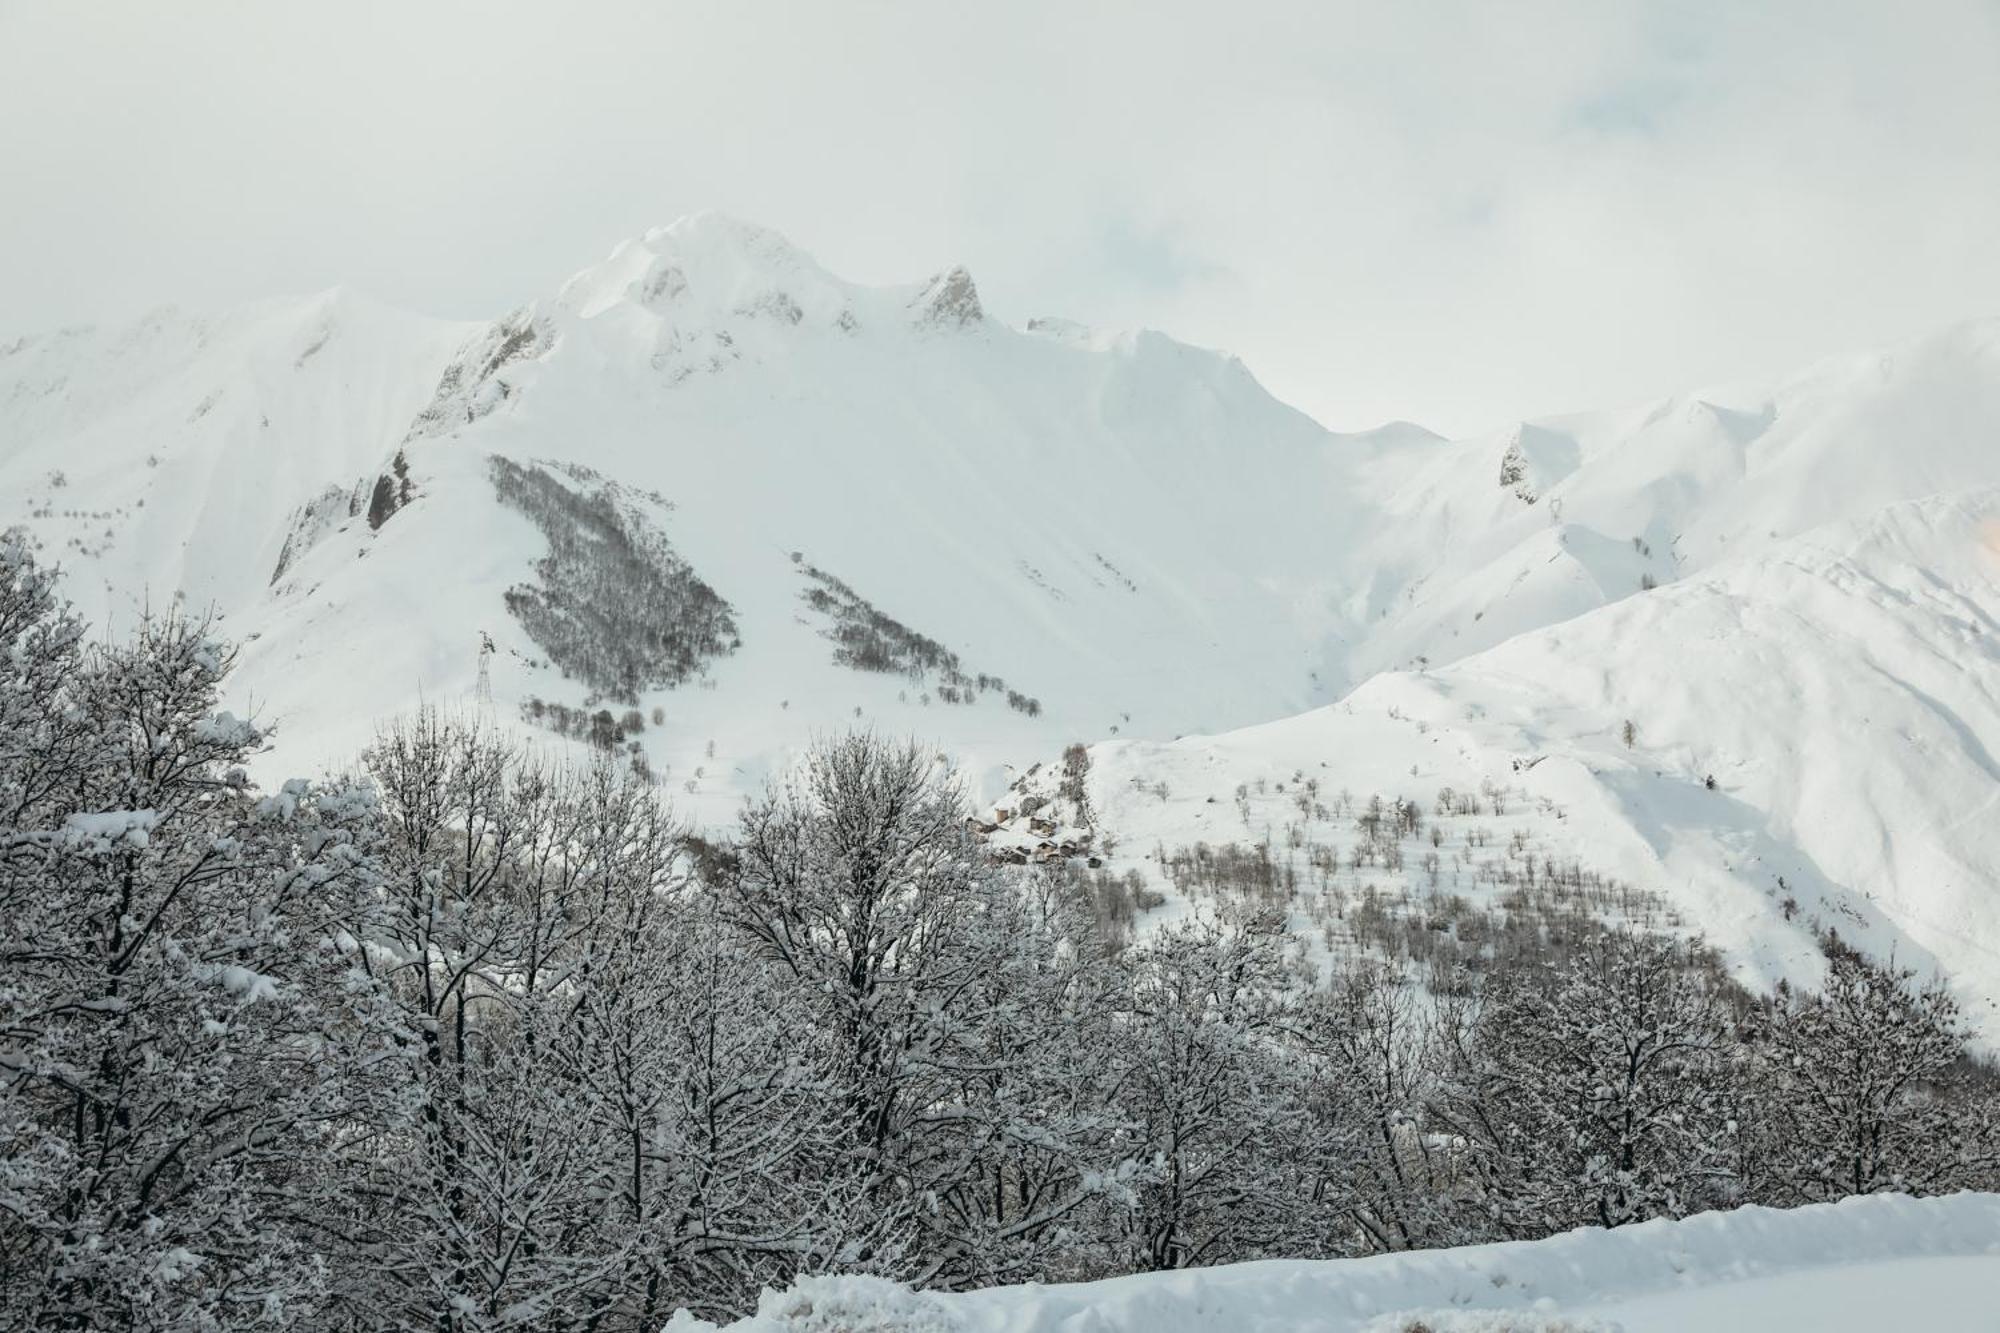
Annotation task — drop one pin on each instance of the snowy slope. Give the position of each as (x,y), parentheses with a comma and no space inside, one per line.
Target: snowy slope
(165,460)
(1860,1265)
(1842,689)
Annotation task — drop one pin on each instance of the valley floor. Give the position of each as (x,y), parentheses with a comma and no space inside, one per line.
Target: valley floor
(1883,1262)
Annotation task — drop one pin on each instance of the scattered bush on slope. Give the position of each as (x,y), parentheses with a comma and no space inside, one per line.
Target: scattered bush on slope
(868,639)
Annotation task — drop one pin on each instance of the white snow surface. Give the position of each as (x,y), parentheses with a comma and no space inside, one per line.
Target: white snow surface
(1857,1266)
(1181,568)
(161,463)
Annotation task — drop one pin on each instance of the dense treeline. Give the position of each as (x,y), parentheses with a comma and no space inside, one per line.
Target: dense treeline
(468,1041)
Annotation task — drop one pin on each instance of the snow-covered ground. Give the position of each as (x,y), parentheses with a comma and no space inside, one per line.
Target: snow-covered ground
(1790,587)
(1859,1266)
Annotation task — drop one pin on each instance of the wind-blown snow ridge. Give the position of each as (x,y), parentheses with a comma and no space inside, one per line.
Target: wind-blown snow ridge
(1838,1266)
(713,264)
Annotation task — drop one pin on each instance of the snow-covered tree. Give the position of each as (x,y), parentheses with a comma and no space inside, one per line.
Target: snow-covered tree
(183,1026)
(859,881)
(1865,1088)
(1212,1095)
(1028,1153)
(712,1111)
(1594,1091)
(511,889)
(1368,1037)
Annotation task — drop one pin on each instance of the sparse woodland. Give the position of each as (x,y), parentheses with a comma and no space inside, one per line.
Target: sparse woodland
(466,1041)
(868,639)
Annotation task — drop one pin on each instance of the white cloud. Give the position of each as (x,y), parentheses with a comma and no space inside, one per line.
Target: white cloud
(1456,213)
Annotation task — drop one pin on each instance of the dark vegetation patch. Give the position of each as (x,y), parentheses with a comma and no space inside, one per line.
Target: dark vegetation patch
(599,727)
(869,639)
(614,605)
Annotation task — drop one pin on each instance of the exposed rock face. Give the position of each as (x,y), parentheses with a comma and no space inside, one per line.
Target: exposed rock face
(663,286)
(472,384)
(1537,459)
(773,305)
(313,520)
(949,301)
(1514,473)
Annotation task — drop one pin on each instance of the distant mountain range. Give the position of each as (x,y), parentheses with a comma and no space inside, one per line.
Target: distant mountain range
(708,499)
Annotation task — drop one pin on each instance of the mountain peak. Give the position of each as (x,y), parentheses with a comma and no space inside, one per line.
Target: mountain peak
(706,260)
(949,300)
(710,237)
(712,269)
(710,227)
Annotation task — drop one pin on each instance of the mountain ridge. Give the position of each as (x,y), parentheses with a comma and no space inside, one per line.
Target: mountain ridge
(918,518)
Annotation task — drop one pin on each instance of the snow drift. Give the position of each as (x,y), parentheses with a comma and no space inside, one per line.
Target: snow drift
(1861,1264)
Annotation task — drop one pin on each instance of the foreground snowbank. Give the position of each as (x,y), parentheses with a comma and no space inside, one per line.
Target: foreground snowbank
(1859,1264)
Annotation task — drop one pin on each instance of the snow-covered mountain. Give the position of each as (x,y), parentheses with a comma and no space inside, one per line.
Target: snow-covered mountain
(1811,746)
(1129,533)
(1794,731)
(733,499)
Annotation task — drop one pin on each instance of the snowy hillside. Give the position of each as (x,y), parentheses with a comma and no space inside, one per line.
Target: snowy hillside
(165,461)
(1842,691)
(729,499)
(1860,1265)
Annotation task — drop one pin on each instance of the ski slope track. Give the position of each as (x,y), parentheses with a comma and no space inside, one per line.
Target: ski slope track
(1790,587)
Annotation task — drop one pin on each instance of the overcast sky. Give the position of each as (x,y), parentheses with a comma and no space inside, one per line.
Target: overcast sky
(1454,213)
